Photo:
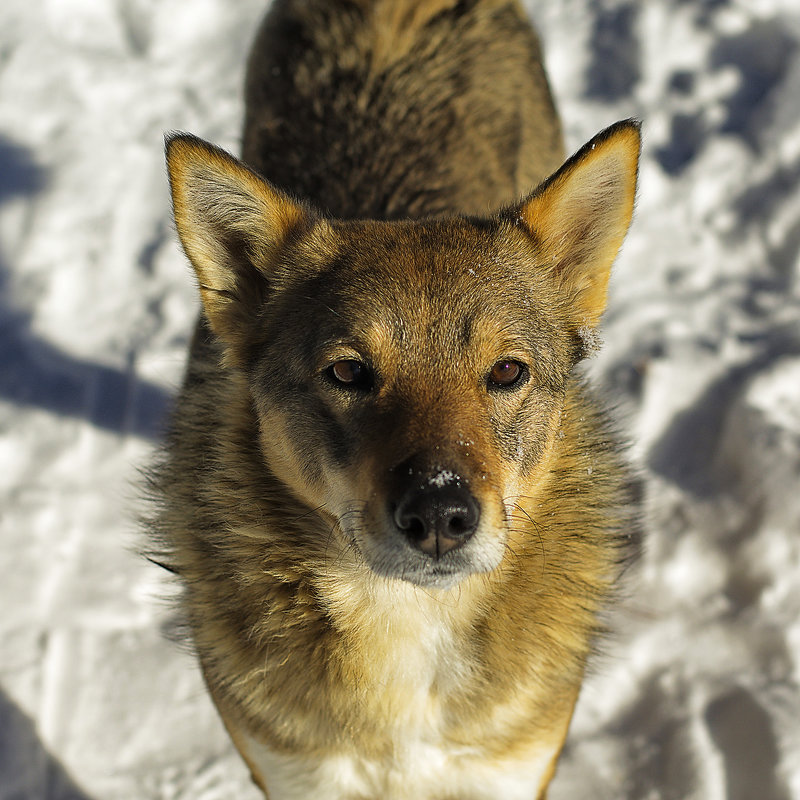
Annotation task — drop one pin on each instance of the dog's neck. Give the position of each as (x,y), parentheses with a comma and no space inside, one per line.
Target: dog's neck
(401,647)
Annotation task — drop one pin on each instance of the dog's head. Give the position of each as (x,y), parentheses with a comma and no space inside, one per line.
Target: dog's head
(407,377)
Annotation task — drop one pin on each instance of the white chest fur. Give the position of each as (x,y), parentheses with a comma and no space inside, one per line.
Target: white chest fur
(413,659)
(419,771)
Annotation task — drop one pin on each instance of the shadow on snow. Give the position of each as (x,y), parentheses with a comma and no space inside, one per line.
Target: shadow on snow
(36,373)
(27,770)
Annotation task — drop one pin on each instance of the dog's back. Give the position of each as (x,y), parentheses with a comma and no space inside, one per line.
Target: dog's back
(395,509)
(400,108)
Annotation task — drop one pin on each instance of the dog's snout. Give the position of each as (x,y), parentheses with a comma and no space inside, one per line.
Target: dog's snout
(437,519)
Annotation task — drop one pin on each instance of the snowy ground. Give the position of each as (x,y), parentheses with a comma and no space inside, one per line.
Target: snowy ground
(699,694)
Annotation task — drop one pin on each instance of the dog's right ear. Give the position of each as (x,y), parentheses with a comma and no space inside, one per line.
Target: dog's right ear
(232,225)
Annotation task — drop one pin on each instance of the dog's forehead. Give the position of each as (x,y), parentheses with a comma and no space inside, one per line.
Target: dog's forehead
(430,273)
(447,293)
(418,250)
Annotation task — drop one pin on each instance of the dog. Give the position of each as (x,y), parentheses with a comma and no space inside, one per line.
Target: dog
(396,511)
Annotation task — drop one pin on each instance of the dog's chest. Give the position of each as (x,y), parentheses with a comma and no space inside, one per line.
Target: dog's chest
(408,667)
(417,771)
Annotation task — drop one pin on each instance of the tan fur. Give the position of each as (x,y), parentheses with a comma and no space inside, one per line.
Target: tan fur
(345,661)
(581,218)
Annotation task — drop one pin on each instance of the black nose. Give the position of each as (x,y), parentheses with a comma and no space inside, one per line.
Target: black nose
(437,519)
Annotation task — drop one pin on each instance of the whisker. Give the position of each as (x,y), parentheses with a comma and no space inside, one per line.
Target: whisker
(325,305)
(308,513)
(533,523)
(348,534)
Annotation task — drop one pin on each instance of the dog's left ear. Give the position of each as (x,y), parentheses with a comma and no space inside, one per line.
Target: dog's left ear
(579,217)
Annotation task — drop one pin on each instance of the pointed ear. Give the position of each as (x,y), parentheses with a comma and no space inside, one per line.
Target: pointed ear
(232,225)
(580,215)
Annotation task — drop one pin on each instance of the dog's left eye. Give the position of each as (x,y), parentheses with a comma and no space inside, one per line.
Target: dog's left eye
(506,373)
(351,374)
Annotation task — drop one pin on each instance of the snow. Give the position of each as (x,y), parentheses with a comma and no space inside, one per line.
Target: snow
(697,694)
(442,478)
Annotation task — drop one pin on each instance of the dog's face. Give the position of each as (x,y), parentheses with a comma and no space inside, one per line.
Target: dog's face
(408,381)
(407,377)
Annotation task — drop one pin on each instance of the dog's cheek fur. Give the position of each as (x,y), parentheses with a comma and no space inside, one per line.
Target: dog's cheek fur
(526,436)
(298,435)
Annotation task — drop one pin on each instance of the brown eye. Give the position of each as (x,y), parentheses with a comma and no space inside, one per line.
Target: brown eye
(350,373)
(505,373)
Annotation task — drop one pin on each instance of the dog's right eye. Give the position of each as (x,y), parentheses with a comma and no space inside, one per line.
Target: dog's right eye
(351,374)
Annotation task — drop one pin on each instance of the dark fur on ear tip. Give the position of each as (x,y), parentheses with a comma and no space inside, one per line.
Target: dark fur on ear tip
(174,139)
(631,124)
(171,137)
